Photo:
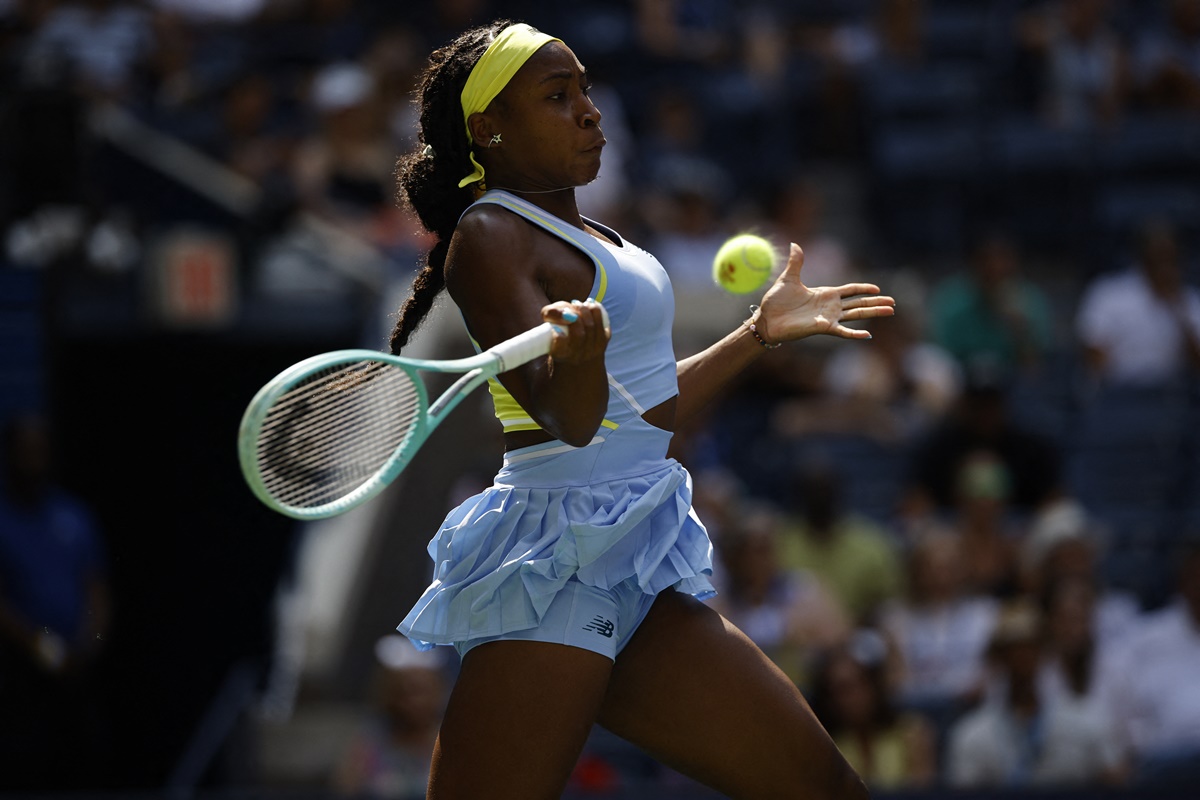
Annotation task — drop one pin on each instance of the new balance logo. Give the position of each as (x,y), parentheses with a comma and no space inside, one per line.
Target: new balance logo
(600,625)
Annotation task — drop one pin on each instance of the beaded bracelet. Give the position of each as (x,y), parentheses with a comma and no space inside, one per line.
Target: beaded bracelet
(754,331)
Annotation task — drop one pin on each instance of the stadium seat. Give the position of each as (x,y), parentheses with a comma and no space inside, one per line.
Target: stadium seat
(22,355)
(1164,145)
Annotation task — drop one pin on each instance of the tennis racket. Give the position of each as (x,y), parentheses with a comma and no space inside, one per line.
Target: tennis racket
(332,431)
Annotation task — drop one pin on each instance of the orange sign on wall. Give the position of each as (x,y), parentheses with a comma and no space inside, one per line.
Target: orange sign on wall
(196,277)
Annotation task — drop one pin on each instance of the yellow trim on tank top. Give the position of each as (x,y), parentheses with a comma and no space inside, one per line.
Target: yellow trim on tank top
(603,281)
(515,418)
(549,223)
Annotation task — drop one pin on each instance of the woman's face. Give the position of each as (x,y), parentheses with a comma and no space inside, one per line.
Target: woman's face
(751,557)
(937,571)
(1071,616)
(851,694)
(550,129)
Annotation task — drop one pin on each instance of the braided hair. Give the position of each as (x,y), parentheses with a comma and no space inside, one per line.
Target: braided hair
(427,179)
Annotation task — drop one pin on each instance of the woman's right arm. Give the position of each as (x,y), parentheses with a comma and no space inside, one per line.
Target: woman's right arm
(502,274)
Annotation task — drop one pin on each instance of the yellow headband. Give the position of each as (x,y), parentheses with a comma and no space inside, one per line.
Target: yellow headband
(495,68)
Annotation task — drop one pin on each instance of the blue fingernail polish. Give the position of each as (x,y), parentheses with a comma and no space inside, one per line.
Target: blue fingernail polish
(569,315)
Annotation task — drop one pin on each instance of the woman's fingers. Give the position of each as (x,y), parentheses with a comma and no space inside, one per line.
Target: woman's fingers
(868,313)
(870,301)
(561,314)
(795,261)
(852,289)
(580,328)
(851,333)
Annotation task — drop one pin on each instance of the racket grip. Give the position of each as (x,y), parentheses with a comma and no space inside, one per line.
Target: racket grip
(532,343)
(524,347)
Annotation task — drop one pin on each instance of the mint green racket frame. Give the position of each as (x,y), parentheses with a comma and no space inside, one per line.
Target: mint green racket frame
(255,439)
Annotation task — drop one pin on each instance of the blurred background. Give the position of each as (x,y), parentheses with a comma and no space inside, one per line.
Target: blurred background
(972,541)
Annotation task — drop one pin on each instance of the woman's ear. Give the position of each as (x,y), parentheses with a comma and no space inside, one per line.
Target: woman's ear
(481,129)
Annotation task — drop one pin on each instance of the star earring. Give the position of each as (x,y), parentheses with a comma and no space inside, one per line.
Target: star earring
(495,140)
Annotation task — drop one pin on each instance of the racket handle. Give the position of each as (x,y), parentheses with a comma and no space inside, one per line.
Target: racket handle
(524,347)
(532,343)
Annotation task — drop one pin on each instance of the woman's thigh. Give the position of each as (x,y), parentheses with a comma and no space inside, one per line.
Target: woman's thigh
(696,693)
(518,717)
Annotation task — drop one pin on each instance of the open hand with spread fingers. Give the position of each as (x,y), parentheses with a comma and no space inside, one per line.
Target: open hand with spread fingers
(790,310)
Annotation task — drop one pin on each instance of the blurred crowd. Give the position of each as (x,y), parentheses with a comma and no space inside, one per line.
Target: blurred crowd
(974,542)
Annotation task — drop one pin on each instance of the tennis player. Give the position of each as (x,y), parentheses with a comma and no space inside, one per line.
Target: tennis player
(572,587)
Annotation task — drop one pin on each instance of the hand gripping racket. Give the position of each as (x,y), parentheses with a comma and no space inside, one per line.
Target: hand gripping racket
(331,432)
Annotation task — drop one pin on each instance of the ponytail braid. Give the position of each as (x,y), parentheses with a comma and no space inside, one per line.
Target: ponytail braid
(427,180)
(425,288)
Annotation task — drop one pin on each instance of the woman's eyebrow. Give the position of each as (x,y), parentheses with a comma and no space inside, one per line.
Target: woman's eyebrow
(564,74)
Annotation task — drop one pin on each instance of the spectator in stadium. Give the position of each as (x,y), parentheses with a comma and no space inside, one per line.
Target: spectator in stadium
(1084,65)
(939,630)
(54,619)
(990,531)
(990,315)
(892,749)
(788,613)
(795,207)
(343,171)
(689,224)
(854,556)
(889,37)
(244,134)
(683,190)
(679,32)
(1019,738)
(102,42)
(980,420)
(389,758)
(1074,650)
(1149,684)
(1166,61)
(899,389)
(718,493)
(1141,326)
(1064,546)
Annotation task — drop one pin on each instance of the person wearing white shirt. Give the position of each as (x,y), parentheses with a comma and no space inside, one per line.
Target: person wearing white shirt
(939,630)
(1141,326)
(1021,737)
(1150,684)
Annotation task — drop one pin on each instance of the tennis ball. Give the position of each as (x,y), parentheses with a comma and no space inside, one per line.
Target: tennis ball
(744,263)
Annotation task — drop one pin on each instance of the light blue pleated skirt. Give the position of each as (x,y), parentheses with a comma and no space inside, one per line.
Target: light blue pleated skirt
(615,509)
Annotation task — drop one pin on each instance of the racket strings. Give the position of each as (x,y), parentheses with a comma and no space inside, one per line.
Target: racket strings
(334,431)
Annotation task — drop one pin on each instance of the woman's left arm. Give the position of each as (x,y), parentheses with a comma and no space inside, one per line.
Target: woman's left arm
(788,311)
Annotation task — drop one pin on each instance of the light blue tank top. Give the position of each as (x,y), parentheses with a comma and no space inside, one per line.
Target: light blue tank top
(636,292)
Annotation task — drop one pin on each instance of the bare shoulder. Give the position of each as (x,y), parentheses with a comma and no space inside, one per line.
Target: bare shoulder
(492,274)
(488,241)
(500,263)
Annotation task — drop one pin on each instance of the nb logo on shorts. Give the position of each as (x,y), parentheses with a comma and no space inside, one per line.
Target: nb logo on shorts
(602,626)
